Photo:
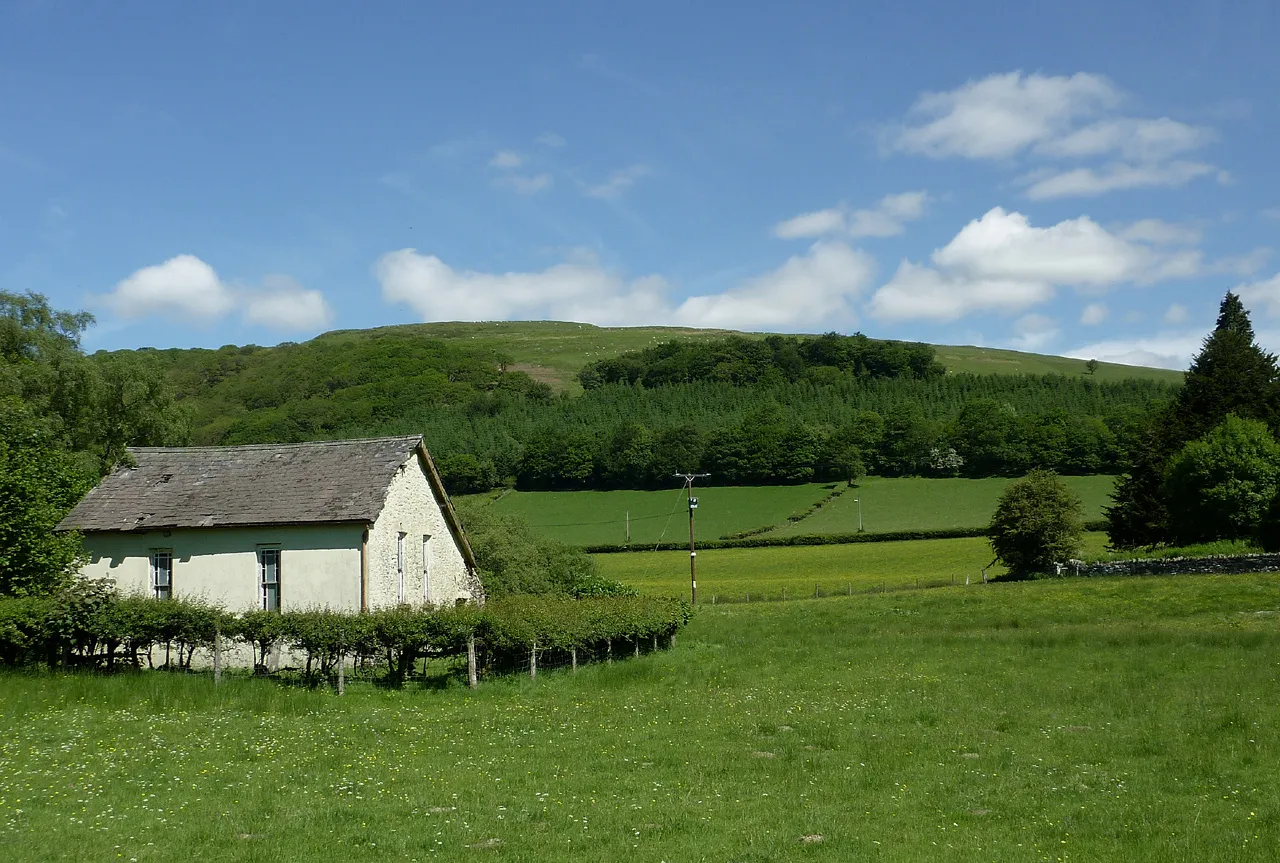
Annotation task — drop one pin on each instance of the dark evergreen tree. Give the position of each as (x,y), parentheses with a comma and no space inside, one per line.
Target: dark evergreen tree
(1230,375)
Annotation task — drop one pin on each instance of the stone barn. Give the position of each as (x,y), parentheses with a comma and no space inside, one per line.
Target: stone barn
(348,525)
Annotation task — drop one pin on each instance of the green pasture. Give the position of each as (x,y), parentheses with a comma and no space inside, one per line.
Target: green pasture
(888,504)
(1093,720)
(913,503)
(600,517)
(736,574)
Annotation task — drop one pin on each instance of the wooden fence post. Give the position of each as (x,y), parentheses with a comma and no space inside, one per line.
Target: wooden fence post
(342,673)
(217,655)
(655,641)
(636,639)
(471,661)
(608,651)
(815,591)
(573,659)
(533,661)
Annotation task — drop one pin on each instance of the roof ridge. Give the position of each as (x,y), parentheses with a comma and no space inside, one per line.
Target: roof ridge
(312,443)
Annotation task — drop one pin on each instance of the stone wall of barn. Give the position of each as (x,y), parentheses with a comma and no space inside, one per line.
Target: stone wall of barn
(434,569)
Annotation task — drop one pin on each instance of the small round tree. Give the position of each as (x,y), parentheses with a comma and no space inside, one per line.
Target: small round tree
(1037,522)
(1220,485)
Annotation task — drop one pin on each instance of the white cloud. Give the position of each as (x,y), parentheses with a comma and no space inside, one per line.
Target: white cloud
(1263,295)
(1094,314)
(1164,350)
(1091,182)
(524,184)
(1073,118)
(816,224)
(1004,245)
(1002,115)
(1034,332)
(1002,263)
(283,304)
(550,139)
(818,287)
(1160,232)
(186,288)
(506,160)
(886,219)
(1140,140)
(807,291)
(922,293)
(618,182)
(183,286)
(1175,314)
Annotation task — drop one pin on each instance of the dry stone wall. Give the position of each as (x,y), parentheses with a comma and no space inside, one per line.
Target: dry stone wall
(1215,565)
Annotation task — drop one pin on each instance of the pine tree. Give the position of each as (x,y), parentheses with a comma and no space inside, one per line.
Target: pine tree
(1230,375)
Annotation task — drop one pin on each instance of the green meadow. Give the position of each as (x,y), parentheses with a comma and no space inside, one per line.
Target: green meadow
(888,504)
(1093,720)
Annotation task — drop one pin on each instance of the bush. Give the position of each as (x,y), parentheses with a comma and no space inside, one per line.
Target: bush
(1268,535)
(1220,485)
(1037,522)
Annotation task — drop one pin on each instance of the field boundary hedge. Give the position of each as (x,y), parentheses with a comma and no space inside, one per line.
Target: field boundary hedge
(90,626)
(812,539)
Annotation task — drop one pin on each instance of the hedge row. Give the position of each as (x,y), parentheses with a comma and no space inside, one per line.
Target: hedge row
(812,539)
(89,625)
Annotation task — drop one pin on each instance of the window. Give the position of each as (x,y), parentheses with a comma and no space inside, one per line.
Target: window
(400,567)
(162,574)
(269,569)
(426,568)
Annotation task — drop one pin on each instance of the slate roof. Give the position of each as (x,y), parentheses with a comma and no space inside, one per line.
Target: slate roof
(226,486)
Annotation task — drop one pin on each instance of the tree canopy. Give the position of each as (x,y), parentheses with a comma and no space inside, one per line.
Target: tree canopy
(1038,522)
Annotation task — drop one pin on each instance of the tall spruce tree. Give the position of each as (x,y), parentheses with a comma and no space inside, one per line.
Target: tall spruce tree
(1230,375)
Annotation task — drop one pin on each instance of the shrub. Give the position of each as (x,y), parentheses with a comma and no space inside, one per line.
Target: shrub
(1036,523)
(1220,485)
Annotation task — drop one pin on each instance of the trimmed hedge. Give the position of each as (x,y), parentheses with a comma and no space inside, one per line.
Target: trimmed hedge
(812,539)
(90,626)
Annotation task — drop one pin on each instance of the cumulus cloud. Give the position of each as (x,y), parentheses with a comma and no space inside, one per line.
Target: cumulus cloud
(506,160)
(186,288)
(1034,332)
(1175,314)
(1055,118)
(1094,314)
(1001,262)
(1171,349)
(1091,182)
(618,182)
(886,219)
(1160,232)
(814,289)
(1264,296)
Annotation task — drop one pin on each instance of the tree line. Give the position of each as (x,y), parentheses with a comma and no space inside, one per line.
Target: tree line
(742,361)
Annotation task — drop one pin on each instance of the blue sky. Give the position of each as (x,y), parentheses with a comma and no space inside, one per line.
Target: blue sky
(1083,179)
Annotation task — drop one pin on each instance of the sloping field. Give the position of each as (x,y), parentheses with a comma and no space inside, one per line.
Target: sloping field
(912,503)
(600,517)
(1089,720)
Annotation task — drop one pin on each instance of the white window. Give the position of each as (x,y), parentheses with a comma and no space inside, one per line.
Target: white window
(400,567)
(162,573)
(426,568)
(269,572)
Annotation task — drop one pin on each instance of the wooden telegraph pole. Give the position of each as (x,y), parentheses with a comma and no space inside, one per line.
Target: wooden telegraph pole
(693,554)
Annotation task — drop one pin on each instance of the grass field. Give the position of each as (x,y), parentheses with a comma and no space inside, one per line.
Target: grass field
(888,504)
(554,351)
(735,574)
(1092,720)
(912,503)
(599,517)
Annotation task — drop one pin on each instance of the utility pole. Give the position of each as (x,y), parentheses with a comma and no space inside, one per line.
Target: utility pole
(858,501)
(693,554)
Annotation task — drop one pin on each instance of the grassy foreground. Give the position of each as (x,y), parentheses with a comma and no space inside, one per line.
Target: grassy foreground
(1112,719)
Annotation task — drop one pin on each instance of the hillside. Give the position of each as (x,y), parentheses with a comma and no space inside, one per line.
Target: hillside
(554,351)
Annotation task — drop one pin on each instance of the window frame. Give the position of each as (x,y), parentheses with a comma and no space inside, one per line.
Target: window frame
(156,555)
(274,553)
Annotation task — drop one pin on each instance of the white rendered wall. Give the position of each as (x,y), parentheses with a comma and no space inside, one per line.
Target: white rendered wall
(411,508)
(319,565)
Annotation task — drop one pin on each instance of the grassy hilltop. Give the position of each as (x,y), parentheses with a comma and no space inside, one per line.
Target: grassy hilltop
(554,351)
